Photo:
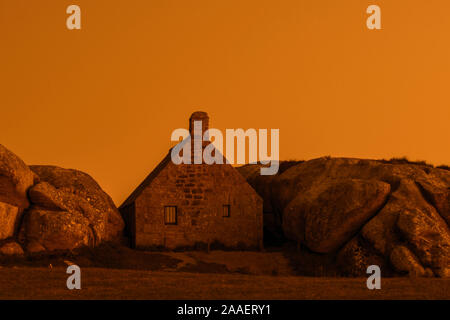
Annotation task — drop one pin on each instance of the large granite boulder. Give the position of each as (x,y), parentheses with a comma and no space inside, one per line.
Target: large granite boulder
(356,255)
(15,179)
(409,220)
(328,215)
(51,208)
(69,210)
(9,216)
(406,261)
(11,249)
(57,230)
(400,212)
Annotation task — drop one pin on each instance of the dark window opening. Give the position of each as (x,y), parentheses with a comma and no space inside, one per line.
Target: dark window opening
(226,211)
(170,215)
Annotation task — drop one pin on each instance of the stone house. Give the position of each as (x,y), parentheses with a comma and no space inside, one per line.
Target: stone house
(186,205)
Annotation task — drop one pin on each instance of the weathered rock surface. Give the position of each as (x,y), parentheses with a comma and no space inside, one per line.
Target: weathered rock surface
(399,211)
(34,247)
(404,260)
(58,230)
(74,195)
(50,208)
(354,258)
(409,219)
(8,219)
(15,179)
(328,215)
(11,249)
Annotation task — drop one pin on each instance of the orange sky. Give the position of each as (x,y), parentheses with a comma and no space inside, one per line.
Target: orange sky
(106,98)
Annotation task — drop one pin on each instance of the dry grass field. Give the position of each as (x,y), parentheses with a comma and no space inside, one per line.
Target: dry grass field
(123,273)
(101,283)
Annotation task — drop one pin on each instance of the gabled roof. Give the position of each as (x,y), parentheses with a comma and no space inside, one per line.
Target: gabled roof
(148,180)
(132,198)
(136,193)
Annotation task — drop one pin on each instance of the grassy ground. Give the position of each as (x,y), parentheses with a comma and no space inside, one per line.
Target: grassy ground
(120,257)
(123,273)
(101,283)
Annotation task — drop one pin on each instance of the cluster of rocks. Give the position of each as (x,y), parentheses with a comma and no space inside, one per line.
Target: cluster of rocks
(363,212)
(47,208)
(360,212)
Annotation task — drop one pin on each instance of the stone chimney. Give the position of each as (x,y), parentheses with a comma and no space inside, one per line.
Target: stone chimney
(197,130)
(199,116)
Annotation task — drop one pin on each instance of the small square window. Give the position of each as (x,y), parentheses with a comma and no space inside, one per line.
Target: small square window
(226,211)
(170,215)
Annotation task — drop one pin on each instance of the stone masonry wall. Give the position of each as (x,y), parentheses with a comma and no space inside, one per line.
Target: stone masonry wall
(199,192)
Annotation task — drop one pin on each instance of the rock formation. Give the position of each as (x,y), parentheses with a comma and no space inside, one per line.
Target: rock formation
(364,212)
(15,179)
(46,208)
(357,212)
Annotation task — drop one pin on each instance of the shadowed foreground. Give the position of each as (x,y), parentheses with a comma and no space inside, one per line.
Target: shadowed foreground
(97,283)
